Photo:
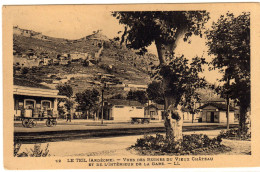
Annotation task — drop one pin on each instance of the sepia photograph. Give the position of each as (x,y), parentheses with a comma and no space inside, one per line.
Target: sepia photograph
(129,86)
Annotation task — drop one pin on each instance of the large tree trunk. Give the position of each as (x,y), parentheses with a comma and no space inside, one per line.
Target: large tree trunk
(244,123)
(173,127)
(169,123)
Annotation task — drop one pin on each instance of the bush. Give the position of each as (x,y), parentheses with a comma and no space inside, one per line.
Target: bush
(235,133)
(191,144)
(25,70)
(35,152)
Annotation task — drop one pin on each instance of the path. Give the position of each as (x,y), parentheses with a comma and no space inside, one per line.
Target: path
(117,146)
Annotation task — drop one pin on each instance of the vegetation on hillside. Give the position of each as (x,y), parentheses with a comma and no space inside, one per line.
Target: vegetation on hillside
(125,64)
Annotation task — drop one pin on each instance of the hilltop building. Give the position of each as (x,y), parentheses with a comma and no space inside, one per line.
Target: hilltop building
(78,56)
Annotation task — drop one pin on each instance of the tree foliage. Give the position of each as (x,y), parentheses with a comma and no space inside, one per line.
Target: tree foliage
(179,78)
(65,90)
(155,92)
(88,99)
(137,95)
(69,104)
(163,27)
(183,79)
(229,42)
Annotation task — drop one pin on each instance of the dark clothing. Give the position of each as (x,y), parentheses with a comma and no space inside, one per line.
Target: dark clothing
(68,117)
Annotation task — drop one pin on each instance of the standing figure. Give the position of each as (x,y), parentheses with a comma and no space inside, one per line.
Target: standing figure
(68,117)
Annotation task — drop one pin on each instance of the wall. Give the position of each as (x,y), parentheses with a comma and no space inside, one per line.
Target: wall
(187,117)
(205,110)
(157,116)
(204,113)
(124,114)
(160,113)
(223,118)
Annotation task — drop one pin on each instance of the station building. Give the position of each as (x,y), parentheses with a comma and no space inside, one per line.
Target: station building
(34,100)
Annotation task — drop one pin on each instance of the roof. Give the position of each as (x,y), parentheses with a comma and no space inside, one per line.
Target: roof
(36,92)
(219,106)
(27,83)
(124,102)
(29,88)
(157,106)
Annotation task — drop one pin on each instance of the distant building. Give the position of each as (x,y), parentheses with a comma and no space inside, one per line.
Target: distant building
(46,61)
(25,62)
(216,113)
(78,56)
(122,110)
(135,87)
(155,112)
(55,61)
(64,62)
(34,100)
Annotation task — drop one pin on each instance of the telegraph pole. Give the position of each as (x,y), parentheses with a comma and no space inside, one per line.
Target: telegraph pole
(102,106)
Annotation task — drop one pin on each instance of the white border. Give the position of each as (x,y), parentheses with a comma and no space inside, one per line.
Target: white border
(45,2)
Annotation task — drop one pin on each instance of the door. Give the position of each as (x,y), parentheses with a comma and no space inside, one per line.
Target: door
(212,117)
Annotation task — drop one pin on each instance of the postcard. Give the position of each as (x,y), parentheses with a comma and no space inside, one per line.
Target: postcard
(131,86)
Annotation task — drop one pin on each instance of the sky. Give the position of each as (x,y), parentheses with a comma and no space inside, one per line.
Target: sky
(75,23)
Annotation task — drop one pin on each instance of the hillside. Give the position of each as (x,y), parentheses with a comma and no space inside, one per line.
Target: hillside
(125,65)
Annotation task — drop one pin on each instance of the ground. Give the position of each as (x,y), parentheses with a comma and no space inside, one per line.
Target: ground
(238,147)
(117,146)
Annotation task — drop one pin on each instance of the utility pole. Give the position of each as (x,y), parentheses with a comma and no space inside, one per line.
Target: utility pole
(148,108)
(102,106)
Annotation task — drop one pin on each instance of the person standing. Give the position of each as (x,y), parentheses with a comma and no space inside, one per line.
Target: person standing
(68,117)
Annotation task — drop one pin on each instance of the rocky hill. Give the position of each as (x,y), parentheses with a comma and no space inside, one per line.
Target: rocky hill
(124,66)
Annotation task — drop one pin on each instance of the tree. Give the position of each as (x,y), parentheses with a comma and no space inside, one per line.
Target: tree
(182,82)
(164,28)
(66,90)
(88,100)
(137,95)
(229,42)
(155,92)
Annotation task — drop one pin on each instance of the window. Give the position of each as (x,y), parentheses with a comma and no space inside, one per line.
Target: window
(139,107)
(46,104)
(30,104)
(20,105)
(152,113)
